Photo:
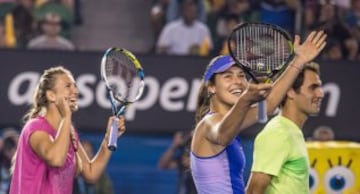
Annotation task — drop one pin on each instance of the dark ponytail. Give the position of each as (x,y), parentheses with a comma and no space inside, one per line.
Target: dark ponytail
(203,104)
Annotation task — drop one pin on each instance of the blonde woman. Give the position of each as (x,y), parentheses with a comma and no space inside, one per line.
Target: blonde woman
(49,154)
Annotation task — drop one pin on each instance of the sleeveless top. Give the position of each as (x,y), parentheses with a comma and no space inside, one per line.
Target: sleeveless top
(31,174)
(221,173)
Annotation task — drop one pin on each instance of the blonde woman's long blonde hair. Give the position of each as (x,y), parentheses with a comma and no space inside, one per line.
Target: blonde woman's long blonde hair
(46,82)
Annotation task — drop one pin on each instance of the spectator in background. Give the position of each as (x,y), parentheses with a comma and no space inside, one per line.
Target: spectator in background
(185,36)
(11,132)
(279,12)
(177,157)
(66,15)
(2,36)
(24,23)
(217,21)
(50,38)
(12,14)
(308,17)
(221,46)
(173,11)
(342,5)
(328,19)
(323,133)
(6,155)
(28,4)
(102,186)
(352,18)
(332,50)
(158,16)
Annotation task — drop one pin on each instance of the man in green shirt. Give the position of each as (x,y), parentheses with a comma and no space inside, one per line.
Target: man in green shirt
(280,164)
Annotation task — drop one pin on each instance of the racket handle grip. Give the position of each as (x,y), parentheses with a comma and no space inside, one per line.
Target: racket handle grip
(262,112)
(112,145)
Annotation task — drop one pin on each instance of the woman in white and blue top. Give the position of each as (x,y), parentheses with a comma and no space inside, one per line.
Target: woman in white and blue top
(225,109)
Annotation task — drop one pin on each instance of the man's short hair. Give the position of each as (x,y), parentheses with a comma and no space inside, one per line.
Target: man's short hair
(312,66)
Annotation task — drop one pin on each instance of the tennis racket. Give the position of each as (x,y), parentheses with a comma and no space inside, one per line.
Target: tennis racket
(124,81)
(261,50)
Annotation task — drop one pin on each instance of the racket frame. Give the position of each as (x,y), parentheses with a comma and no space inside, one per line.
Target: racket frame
(119,106)
(262,109)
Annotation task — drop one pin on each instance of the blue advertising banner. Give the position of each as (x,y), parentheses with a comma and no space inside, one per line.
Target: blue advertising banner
(170,96)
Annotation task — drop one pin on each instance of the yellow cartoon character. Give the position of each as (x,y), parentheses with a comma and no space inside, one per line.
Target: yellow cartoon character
(335,167)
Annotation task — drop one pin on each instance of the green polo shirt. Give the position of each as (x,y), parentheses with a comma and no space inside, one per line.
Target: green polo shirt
(280,151)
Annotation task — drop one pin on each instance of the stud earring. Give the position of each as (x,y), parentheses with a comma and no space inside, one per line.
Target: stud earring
(210,94)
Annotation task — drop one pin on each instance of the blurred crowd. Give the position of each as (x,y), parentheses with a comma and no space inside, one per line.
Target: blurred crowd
(200,27)
(188,27)
(38,24)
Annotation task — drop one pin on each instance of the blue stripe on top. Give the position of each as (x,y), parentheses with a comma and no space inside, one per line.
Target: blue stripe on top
(222,173)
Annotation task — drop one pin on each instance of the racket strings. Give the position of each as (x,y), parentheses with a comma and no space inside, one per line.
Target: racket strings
(122,73)
(119,65)
(260,48)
